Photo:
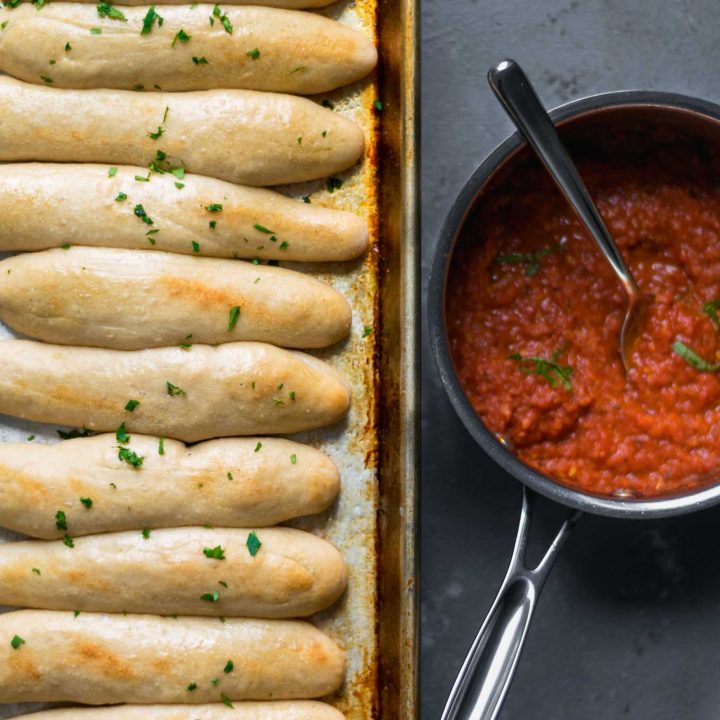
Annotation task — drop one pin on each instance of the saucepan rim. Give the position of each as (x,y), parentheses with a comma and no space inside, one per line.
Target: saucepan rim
(665,505)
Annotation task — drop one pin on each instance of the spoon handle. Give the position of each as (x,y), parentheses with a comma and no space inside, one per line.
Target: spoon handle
(518,97)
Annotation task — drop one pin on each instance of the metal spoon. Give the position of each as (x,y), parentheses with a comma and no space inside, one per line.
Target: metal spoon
(518,97)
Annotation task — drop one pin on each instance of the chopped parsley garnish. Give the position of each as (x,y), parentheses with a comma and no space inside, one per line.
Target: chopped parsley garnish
(284,245)
(130,457)
(234,315)
(96,31)
(60,520)
(258,447)
(216,553)
(327,104)
(68,47)
(710,309)
(46,79)
(149,20)
(324,133)
(161,446)
(218,13)
(689,355)
(179,185)
(253,543)
(146,533)
(87,502)
(293,459)
(173,390)
(181,36)
(108,11)
(215,682)
(298,68)
(112,172)
(120,197)
(195,246)
(211,597)
(367,330)
(200,60)
(334,184)
(132,404)
(229,666)
(178,172)
(76,433)
(192,686)
(155,135)
(306,199)
(226,700)
(263,229)
(30,438)
(214,207)
(230,476)
(16,642)
(554,373)
(142,178)
(36,571)
(693,359)
(67,540)
(121,435)
(254,54)
(530,260)
(140,212)
(292,395)
(76,613)
(378,106)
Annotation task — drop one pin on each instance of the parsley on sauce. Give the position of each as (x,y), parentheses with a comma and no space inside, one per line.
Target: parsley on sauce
(553,372)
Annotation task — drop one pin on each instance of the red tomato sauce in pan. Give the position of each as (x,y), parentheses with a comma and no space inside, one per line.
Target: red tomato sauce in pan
(526,282)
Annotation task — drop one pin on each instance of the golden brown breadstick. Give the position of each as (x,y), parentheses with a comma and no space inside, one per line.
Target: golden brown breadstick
(238,135)
(268,49)
(70,297)
(45,205)
(196,394)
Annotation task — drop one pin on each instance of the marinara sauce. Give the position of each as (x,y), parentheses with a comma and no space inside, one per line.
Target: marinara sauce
(534,315)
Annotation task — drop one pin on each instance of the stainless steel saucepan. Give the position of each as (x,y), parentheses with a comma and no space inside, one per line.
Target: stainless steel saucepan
(599,120)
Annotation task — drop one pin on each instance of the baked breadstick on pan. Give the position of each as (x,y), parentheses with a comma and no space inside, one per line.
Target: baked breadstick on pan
(190,395)
(44,205)
(268,573)
(70,297)
(278,710)
(47,655)
(233,482)
(268,49)
(242,136)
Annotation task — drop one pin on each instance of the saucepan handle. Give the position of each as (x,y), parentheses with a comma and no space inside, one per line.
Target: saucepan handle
(489,667)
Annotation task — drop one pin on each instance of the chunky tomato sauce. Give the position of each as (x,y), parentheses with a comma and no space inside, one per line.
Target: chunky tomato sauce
(526,282)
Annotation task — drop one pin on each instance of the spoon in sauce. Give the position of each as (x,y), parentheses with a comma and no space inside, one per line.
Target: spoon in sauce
(521,103)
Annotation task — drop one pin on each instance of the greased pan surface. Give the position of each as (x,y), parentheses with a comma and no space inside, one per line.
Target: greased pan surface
(373,522)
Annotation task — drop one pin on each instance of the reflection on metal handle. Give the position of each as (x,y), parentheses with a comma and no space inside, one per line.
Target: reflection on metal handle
(522,104)
(488,669)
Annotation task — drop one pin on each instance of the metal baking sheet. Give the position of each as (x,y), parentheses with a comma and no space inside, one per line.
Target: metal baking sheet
(373,523)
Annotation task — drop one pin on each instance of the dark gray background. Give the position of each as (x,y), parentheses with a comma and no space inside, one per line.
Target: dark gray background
(629,622)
